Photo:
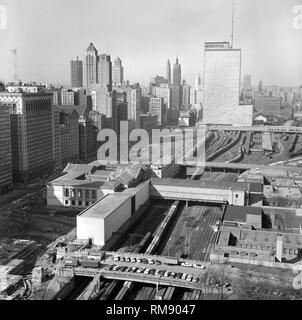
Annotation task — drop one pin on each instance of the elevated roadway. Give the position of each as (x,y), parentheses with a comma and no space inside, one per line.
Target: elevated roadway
(276,129)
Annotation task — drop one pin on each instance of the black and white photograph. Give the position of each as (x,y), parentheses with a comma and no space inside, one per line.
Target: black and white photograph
(150,150)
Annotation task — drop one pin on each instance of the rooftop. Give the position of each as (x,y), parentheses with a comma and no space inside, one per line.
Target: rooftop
(105,206)
(224,185)
(239,213)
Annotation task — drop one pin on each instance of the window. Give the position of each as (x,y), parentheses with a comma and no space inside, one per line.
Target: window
(284,250)
(290,251)
(80,203)
(87,203)
(87,194)
(66,192)
(93,195)
(236,196)
(66,202)
(73,202)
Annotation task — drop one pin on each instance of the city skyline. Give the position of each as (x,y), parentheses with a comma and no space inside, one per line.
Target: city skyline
(267,47)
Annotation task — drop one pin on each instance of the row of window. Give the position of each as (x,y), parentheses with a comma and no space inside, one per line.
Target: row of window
(80,193)
(77,203)
(261,247)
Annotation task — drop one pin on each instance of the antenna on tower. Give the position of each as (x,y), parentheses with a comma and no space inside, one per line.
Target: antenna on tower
(14,52)
(233,17)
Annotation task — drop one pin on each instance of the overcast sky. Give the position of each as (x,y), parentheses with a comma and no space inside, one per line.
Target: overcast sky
(145,33)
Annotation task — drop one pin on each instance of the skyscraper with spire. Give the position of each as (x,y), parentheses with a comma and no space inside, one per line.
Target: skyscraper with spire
(168,72)
(177,74)
(91,66)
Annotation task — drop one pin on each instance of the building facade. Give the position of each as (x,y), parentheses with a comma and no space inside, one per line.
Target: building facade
(222,69)
(118,72)
(76,67)
(90,66)
(31,131)
(156,108)
(6,161)
(105,71)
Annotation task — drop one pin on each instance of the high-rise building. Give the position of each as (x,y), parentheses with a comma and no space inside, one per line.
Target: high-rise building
(76,67)
(69,135)
(177,74)
(175,97)
(156,108)
(268,105)
(6,161)
(31,131)
(165,93)
(105,71)
(90,66)
(260,87)
(222,69)
(68,97)
(134,106)
(168,72)
(118,72)
(185,95)
(247,82)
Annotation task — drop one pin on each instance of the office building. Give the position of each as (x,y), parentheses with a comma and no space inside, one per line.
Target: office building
(6,161)
(90,66)
(76,67)
(69,135)
(247,82)
(105,71)
(68,97)
(185,96)
(156,107)
(177,74)
(165,93)
(175,97)
(31,132)
(168,72)
(118,72)
(222,69)
(148,122)
(134,106)
(270,106)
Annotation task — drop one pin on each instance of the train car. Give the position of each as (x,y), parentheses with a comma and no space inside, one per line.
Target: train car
(89,263)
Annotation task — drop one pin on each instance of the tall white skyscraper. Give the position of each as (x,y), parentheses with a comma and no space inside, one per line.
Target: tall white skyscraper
(90,66)
(222,68)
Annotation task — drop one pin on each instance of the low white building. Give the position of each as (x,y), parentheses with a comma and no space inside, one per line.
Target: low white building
(105,216)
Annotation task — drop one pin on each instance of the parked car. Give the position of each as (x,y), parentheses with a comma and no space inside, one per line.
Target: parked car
(147,271)
(128,259)
(157,262)
(133,259)
(167,274)
(189,278)
(198,266)
(117,258)
(152,271)
(187,264)
(195,279)
(150,261)
(184,276)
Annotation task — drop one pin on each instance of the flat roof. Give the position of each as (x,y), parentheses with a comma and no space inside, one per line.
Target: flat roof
(239,213)
(103,207)
(242,186)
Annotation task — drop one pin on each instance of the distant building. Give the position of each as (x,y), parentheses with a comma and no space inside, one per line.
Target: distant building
(68,97)
(247,82)
(156,108)
(69,135)
(222,68)
(105,71)
(260,87)
(76,67)
(175,97)
(168,72)
(6,162)
(165,93)
(145,101)
(185,97)
(118,72)
(270,106)
(148,122)
(134,106)
(177,74)
(31,133)
(90,66)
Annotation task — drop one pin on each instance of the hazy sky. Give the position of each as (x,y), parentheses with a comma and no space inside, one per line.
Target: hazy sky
(144,33)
